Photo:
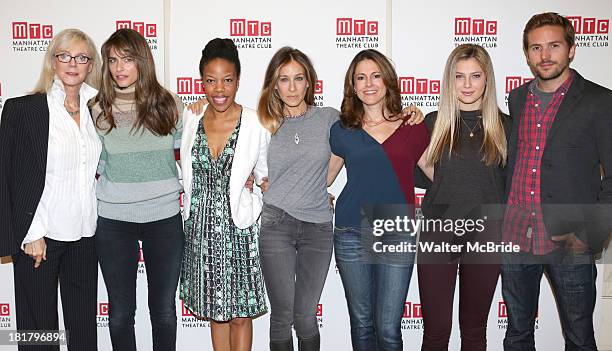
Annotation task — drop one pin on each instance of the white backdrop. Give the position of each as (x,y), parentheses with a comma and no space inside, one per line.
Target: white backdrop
(417,35)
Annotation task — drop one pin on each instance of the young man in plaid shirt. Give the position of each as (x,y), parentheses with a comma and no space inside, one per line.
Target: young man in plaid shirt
(558,201)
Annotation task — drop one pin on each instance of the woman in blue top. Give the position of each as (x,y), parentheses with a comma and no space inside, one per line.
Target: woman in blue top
(380,152)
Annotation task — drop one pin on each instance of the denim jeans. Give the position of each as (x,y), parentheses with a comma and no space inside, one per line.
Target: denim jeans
(375,293)
(572,278)
(295,258)
(118,253)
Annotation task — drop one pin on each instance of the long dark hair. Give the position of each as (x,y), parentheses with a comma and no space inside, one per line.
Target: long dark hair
(155,106)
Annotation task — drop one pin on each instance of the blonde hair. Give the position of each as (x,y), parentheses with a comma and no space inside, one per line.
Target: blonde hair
(270,106)
(446,130)
(62,41)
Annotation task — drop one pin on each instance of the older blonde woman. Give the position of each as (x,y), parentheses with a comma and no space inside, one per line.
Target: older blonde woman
(49,152)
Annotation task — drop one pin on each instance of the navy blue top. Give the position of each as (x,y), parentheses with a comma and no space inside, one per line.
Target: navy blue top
(376,173)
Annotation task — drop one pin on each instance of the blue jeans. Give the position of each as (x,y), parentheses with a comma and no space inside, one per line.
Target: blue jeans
(375,293)
(118,253)
(572,278)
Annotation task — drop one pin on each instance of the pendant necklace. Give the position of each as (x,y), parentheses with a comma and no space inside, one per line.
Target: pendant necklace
(472,130)
(296,137)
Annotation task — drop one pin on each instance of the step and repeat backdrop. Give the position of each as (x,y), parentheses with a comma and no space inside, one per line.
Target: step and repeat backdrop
(416,35)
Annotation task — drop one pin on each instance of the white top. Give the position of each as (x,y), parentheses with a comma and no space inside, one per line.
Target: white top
(250,156)
(67,210)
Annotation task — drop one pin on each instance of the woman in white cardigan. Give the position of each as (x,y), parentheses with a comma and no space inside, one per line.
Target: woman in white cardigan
(221,276)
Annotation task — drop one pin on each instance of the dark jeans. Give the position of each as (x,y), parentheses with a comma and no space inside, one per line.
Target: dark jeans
(74,265)
(295,258)
(375,293)
(162,247)
(572,279)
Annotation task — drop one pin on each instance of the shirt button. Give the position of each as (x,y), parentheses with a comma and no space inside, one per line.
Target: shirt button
(562,93)
(539,125)
(533,170)
(533,213)
(532,192)
(537,148)
(536,105)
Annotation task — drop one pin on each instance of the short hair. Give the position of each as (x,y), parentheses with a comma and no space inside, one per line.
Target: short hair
(550,19)
(220,48)
(62,41)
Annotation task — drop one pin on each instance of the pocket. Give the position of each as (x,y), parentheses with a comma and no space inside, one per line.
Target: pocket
(271,215)
(326,227)
(343,229)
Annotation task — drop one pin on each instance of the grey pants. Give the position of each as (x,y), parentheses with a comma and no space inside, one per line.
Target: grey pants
(295,258)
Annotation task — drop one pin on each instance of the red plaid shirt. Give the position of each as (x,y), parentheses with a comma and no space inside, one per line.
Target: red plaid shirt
(524,224)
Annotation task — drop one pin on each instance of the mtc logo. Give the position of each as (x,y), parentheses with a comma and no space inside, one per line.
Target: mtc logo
(412,85)
(318,89)
(589,25)
(103,309)
(502,312)
(240,27)
(418,199)
(319,310)
(185,311)
(140,254)
(513,82)
(474,26)
(25,30)
(5,309)
(412,310)
(187,85)
(351,26)
(147,30)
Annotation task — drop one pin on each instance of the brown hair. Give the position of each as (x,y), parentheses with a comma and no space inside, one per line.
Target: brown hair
(445,135)
(549,19)
(351,112)
(270,106)
(156,108)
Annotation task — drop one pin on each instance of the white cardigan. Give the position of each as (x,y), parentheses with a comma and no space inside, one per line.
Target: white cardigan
(250,156)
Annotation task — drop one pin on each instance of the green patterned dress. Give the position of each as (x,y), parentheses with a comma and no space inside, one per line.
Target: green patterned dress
(221,276)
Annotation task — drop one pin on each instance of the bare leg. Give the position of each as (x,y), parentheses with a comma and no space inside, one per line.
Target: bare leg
(241,334)
(220,334)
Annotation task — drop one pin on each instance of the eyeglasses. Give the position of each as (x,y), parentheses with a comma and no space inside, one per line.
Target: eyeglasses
(66,58)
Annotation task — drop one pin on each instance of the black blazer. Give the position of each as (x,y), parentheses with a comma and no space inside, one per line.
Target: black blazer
(24,135)
(574,196)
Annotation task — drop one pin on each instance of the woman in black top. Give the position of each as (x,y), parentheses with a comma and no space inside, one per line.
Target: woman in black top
(468,153)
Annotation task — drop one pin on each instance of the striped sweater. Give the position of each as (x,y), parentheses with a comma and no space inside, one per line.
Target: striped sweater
(138,180)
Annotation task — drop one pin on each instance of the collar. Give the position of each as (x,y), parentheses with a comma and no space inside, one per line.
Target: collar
(560,90)
(57,91)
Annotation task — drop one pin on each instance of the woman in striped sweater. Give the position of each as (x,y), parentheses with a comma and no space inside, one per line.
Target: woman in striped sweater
(138,189)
